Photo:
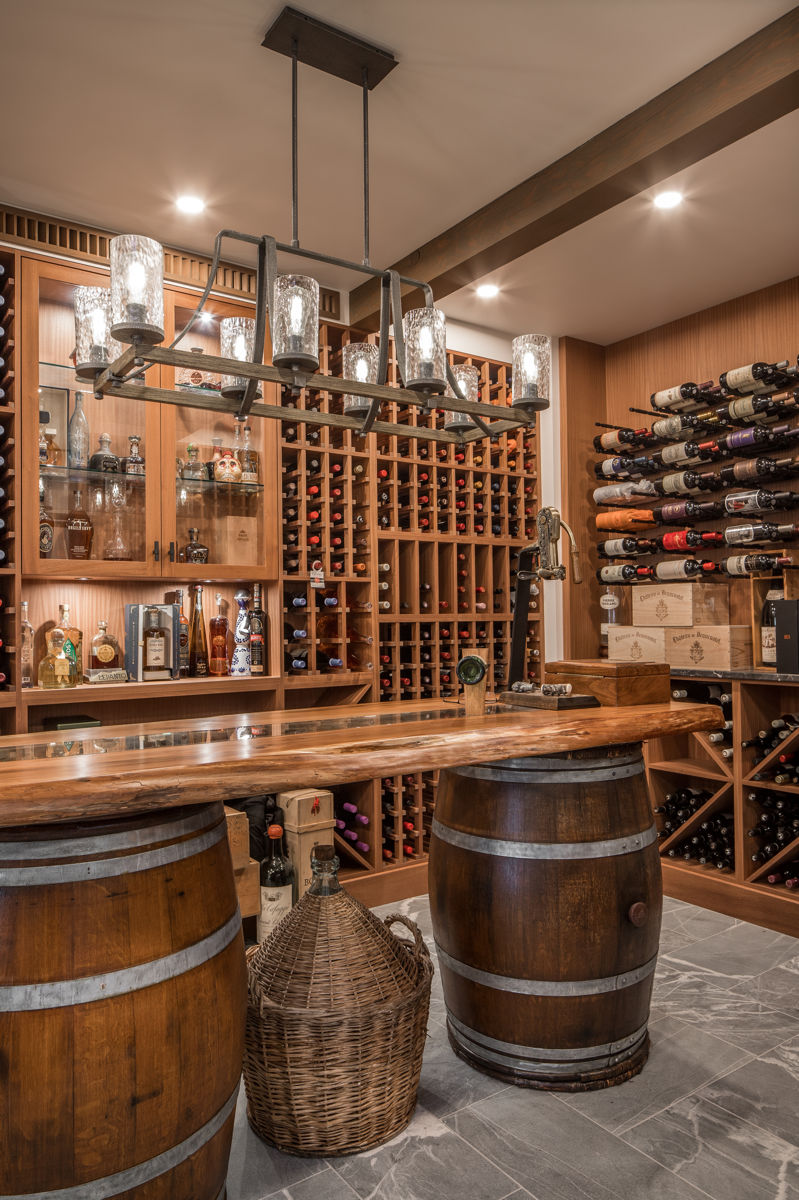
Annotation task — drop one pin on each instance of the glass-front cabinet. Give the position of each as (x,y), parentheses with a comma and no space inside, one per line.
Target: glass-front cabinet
(132,488)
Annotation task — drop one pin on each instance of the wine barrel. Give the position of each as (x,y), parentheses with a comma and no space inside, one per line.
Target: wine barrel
(546,898)
(122,1007)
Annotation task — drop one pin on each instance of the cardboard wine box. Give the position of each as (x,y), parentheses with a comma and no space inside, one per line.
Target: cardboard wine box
(668,604)
(633,643)
(714,647)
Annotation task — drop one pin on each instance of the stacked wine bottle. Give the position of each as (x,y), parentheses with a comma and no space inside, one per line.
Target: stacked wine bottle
(8,639)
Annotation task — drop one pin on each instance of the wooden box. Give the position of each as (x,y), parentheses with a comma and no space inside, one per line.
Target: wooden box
(668,604)
(633,643)
(238,836)
(614,683)
(715,647)
(248,887)
(300,843)
(238,540)
(307,808)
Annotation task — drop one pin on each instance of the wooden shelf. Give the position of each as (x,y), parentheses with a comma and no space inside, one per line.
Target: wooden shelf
(689,766)
(100,692)
(321,679)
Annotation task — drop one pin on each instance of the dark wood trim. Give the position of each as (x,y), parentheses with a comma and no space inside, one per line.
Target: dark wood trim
(741,91)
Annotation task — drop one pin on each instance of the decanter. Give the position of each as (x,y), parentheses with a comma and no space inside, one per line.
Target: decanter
(103,459)
(116,548)
(78,437)
(241,663)
(193,468)
(195,551)
(57,669)
(134,463)
(227,469)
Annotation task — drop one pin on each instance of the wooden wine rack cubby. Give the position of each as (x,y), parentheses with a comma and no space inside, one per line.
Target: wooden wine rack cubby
(9,567)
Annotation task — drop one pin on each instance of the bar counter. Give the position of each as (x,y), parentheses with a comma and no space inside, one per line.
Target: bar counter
(128,769)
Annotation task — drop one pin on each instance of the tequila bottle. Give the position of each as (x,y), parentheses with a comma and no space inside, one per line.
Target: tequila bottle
(105,652)
(78,437)
(258,629)
(46,526)
(216,454)
(241,664)
(250,460)
(25,648)
(74,639)
(195,551)
(193,468)
(184,633)
(218,626)
(154,645)
(198,644)
(103,459)
(134,463)
(57,669)
(227,469)
(79,529)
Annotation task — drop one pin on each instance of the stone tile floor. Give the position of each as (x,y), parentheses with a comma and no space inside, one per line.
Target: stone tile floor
(715,1112)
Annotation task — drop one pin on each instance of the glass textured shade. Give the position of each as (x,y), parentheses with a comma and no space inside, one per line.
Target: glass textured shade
(137,289)
(531,360)
(236,340)
(94,346)
(359,361)
(468,379)
(295,322)
(425,331)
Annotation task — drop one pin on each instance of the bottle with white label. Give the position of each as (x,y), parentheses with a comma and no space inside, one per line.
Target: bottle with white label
(747,564)
(686,568)
(278,885)
(756,377)
(625,573)
(153,645)
(768,627)
(610,603)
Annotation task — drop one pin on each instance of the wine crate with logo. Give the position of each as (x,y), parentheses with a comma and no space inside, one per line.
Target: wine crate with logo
(675,604)
(633,643)
(710,647)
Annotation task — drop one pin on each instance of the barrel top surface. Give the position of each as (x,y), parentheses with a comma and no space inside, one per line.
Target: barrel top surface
(124,769)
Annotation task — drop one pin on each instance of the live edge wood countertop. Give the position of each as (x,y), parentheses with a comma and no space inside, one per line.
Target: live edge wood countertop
(121,770)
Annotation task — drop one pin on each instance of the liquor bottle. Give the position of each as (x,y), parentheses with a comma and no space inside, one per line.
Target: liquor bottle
(227,468)
(57,668)
(73,645)
(26,633)
(116,547)
(195,551)
(249,459)
(679,483)
(747,564)
(78,437)
(103,459)
(198,645)
(193,468)
(134,463)
(154,645)
(218,631)
(328,658)
(278,885)
(78,528)
(46,526)
(258,632)
(183,634)
(617,493)
(104,652)
(241,664)
(216,454)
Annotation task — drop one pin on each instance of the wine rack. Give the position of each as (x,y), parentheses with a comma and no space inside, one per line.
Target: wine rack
(9,563)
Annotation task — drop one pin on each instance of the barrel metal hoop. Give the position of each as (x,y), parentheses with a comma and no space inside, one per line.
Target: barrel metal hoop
(547,987)
(545,850)
(82,847)
(27,997)
(106,868)
(143,1172)
(558,773)
(537,1060)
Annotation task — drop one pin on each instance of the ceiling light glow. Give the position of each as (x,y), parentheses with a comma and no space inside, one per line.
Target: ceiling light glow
(667,199)
(487,291)
(190,204)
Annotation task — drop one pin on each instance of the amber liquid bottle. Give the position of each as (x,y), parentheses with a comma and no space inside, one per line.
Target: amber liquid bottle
(198,644)
(219,630)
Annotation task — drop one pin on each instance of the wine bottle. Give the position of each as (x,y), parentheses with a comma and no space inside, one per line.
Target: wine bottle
(686,568)
(625,573)
(689,510)
(739,535)
(277,885)
(617,439)
(747,564)
(683,539)
(683,396)
(758,500)
(756,377)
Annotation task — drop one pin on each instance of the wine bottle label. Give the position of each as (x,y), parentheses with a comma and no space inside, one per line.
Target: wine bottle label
(609,602)
(675,570)
(611,466)
(741,439)
(743,409)
(741,377)
(275,905)
(613,574)
(615,548)
(768,644)
(736,565)
(667,427)
(156,652)
(666,398)
(739,535)
(674,511)
(674,454)
(675,483)
(611,441)
(676,541)
(743,502)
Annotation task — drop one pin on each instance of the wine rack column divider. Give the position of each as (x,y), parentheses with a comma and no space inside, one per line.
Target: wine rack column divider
(11,716)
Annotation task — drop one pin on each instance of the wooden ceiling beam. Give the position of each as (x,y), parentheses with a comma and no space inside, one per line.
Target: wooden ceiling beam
(741,91)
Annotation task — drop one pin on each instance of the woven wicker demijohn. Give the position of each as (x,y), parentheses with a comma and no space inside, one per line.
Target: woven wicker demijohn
(336,1022)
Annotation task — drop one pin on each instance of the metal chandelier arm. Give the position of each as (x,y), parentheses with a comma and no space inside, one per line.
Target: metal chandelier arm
(212,273)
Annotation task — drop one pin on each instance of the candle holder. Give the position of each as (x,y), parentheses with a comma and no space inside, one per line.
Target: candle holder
(425,331)
(94,346)
(295,323)
(236,340)
(359,361)
(137,289)
(467,379)
(531,365)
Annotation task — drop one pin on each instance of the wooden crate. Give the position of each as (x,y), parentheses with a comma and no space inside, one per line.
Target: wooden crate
(248,888)
(673,604)
(614,683)
(238,836)
(300,843)
(631,643)
(715,647)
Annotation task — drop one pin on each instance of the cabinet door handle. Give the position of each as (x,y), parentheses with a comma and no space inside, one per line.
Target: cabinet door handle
(156,551)
(171,551)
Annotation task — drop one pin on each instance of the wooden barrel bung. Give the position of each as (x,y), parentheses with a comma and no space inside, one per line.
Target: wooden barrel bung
(546,898)
(122,1007)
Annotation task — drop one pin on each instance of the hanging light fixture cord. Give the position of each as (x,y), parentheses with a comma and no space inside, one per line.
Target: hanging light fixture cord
(295,186)
(366,262)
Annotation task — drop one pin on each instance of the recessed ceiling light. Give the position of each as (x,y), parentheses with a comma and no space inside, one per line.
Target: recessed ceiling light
(190,204)
(487,291)
(667,199)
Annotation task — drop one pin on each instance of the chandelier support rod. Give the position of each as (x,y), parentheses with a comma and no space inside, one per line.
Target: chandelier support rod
(295,239)
(365,167)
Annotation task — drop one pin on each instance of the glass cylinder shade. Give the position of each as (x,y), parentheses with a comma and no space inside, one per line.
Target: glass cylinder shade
(468,380)
(94,346)
(425,331)
(295,322)
(137,289)
(359,361)
(236,340)
(531,360)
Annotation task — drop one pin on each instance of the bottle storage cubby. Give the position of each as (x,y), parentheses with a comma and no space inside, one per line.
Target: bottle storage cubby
(13,656)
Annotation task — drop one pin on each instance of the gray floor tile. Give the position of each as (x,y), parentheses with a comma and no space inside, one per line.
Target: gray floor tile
(763,1092)
(558,1154)
(681,1060)
(739,1019)
(258,1170)
(447,1082)
(327,1185)
(426,1162)
(712,1148)
(693,923)
(778,988)
(737,953)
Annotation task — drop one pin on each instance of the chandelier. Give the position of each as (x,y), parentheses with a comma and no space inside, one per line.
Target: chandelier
(132,311)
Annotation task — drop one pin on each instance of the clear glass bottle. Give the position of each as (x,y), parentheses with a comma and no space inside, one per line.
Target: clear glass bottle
(278,885)
(184,633)
(78,437)
(74,636)
(42,447)
(116,548)
(195,551)
(154,645)
(105,654)
(241,663)
(134,463)
(193,468)
(250,460)
(218,627)
(25,647)
(198,643)
(609,602)
(103,459)
(57,669)
(55,455)
(79,529)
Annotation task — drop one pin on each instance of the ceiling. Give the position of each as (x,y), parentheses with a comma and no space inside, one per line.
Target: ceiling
(120,108)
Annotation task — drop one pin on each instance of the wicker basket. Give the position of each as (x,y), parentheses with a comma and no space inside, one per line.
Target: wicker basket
(336,1024)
